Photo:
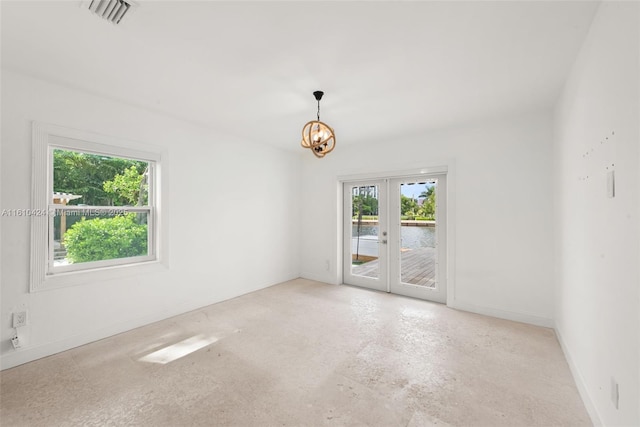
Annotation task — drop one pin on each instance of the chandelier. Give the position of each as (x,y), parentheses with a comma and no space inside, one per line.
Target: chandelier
(318,136)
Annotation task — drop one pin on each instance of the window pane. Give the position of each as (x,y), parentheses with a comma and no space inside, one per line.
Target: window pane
(86,235)
(99,180)
(418,255)
(364,231)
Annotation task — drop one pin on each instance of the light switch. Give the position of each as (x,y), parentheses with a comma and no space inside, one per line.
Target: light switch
(611,185)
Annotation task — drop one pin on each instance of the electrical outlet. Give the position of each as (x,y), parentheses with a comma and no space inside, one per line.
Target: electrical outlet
(19,319)
(615,393)
(15,342)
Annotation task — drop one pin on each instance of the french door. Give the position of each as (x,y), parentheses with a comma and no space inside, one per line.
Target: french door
(395,235)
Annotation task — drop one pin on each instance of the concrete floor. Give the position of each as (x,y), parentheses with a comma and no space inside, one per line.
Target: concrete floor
(305,353)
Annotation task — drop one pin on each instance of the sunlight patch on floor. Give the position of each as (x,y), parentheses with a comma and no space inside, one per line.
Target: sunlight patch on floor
(176,351)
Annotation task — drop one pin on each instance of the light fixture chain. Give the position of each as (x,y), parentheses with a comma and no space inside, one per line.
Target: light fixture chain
(318,110)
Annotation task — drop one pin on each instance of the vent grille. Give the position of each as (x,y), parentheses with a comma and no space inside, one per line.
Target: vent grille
(111,10)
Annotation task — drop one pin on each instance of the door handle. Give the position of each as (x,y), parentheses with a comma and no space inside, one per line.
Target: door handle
(384,242)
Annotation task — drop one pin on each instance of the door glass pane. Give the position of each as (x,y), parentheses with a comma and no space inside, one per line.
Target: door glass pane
(364,231)
(418,238)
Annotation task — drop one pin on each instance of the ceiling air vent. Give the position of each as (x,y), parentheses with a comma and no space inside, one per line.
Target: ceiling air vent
(111,10)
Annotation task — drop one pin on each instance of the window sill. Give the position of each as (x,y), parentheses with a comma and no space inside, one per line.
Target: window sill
(96,275)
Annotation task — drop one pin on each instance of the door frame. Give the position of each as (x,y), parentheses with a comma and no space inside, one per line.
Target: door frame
(381,283)
(443,168)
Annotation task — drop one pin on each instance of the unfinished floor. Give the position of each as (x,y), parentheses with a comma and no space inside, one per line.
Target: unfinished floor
(306,353)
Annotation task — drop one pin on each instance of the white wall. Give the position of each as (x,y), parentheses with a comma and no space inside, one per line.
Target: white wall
(501,189)
(597,238)
(232,209)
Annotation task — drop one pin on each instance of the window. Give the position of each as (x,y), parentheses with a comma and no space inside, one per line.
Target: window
(94,205)
(101,213)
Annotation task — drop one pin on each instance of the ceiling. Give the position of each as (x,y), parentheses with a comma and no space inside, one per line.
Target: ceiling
(248,69)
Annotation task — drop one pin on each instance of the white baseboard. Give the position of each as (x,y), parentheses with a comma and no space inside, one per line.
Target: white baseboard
(31,353)
(502,314)
(577,377)
(458,305)
(324,278)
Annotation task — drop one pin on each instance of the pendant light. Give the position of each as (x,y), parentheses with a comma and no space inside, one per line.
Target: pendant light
(318,136)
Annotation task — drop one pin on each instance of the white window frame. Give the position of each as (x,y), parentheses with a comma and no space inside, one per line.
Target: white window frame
(46,139)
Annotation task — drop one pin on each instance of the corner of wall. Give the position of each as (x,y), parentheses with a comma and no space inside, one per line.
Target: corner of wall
(579,380)
(596,237)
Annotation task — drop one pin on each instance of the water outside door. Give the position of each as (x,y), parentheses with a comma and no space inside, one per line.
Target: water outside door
(395,236)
